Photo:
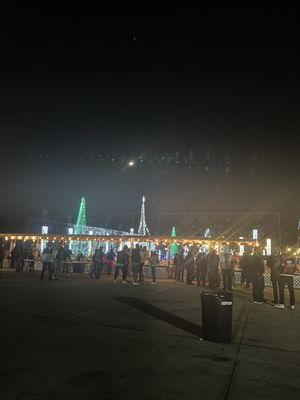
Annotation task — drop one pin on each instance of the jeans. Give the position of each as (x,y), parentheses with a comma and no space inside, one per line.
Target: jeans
(124,269)
(125,272)
(227,278)
(153,273)
(179,272)
(245,278)
(98,269)
(141,272)
(57,267)
(258,286)
(19,264)
(289,281)
(135,270)
(201,275)
(47,265)
(275,285)
(213,278)
(189,274)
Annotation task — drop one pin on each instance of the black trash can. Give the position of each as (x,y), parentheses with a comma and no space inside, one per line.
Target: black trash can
(217,316)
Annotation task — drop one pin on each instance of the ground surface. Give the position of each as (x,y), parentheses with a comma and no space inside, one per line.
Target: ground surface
(79,338)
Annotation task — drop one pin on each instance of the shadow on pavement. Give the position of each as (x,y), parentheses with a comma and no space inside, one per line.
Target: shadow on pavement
(158,313)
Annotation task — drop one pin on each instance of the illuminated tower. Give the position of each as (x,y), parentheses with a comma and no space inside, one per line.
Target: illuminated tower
(80,226)
(143,229)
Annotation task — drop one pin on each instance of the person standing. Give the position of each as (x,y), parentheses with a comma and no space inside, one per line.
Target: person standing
(135,263)
(95,262)
(212,266)
(178,262)
(19,256)
(226,263)
(13,258)
(153,262)
(2,251)
(144,259)
(274,264)
(201,265)
(58,262)
(110,260)
(286,277)
(189,266)
(122,263)
(47,258)
(257,278)
(245,268)
(30,257)
(100,255)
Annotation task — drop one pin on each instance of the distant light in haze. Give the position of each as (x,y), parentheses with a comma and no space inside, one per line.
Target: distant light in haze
(131,163)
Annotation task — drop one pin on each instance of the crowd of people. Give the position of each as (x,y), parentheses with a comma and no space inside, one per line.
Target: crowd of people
(207,269)
(125,258)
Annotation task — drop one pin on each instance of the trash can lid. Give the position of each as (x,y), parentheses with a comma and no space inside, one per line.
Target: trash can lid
(209,293)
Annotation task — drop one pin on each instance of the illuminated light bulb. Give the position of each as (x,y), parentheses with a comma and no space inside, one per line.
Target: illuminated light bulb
(131,163)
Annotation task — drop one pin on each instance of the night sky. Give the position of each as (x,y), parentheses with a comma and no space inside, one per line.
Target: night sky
(206,101)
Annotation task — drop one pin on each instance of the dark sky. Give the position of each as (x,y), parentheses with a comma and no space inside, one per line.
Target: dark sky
(208,98)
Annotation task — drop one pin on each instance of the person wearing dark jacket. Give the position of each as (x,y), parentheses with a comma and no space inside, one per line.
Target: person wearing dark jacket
(286,277)
(178,264)
(110,259)
(47,258)
(122,263)
(153,262)
(2,251)
(58,262)
(226,262)
(245,267)
(189,264)
(274,264)
(213,261)
(95,264)
(257,277)
(19,256)
(135,263)
(201,265)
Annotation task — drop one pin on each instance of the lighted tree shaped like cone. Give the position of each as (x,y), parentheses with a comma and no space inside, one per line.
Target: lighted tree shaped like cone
(80,228)
(174,246)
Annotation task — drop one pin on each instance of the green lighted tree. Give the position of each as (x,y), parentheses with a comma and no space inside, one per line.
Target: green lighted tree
(80,228)
(174,246)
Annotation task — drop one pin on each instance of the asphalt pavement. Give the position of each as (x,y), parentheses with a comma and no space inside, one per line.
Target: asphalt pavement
(80,338)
